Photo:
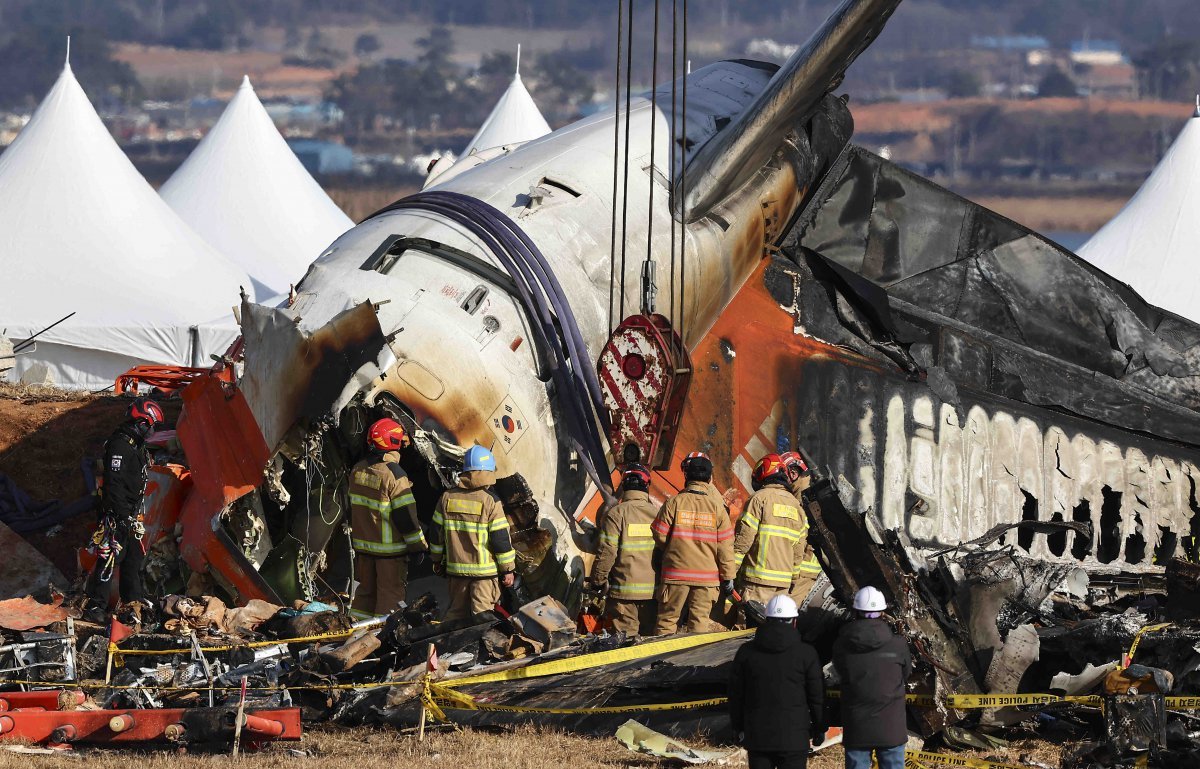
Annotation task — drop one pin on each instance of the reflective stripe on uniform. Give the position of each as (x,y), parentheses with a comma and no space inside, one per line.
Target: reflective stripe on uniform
(768,576)
(808,567)
(387,544)
(464,506)
(686,575)
(632,591)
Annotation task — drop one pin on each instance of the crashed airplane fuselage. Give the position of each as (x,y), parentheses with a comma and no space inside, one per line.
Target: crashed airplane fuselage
(949,369)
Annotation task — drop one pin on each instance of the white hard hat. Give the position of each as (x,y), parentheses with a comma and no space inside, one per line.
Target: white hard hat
(869,599)
(782,607)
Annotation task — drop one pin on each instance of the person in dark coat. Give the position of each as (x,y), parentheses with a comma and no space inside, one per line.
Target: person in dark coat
(874,665)
(118,541)
(776,692)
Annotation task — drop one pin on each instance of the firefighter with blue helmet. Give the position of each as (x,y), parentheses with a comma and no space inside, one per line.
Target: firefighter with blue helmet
(470,542)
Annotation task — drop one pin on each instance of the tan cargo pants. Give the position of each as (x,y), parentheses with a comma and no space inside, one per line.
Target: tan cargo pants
(471,595)
(382,583)
(699,600)
(632,617)
(801,588)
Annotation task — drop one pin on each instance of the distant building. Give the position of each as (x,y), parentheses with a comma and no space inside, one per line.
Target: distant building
(1115,81)
(1010,42)
(1097,53)
(322,157)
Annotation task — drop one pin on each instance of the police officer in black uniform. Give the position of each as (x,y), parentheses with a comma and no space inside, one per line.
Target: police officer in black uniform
(118,539)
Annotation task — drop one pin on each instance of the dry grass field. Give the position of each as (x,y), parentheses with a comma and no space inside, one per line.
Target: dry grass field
(1068,214)
(526,747)
(361,202)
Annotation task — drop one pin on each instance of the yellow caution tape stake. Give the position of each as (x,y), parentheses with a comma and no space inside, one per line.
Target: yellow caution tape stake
(919,759)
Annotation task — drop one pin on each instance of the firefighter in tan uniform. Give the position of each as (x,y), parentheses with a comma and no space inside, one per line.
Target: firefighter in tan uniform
(624,567)
(470,543)
(772,534)
(809,567)
(695,537)
(385,531)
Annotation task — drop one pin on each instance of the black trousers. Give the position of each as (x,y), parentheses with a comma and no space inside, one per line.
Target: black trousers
(790,760)
(130,561)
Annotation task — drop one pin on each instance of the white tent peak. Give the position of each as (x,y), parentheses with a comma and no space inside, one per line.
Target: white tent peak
(1197,112)
(1151,243)
(248,195)
(67,60)
(82,231)
(514,120)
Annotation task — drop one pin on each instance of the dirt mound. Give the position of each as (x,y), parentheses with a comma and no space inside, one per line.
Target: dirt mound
(45,437)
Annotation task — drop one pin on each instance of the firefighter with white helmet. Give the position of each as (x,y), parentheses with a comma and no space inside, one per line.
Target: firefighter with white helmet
(874,665)
(776,692)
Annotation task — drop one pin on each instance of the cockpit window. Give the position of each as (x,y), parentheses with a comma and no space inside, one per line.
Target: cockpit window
(384,259)
(477,287)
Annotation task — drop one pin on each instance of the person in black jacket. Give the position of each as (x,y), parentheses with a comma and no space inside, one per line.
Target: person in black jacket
(776,692)
(874,665)
(118,539)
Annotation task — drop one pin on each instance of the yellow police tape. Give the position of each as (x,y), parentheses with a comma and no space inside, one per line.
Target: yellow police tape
(442,698)
(331,636)
(596,659)
(918,759)
(441,694)
(973,701)
(1137,639)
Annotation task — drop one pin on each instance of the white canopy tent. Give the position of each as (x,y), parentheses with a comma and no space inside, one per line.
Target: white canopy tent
(81,231)
(1153,244)
(247,194)
(514,119)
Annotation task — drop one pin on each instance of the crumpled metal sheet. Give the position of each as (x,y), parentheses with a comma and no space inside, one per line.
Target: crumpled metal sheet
(27,614)
(294,375)
(24,570)
(643,739)
(1043,322)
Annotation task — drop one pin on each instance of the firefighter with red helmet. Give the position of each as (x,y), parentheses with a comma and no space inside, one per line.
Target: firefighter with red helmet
(624,567)
(809,567)
(772,534)
(118,541)
(695,538)
(385,532)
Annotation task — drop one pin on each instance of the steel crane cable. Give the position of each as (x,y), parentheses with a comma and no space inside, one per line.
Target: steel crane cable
(616,185)
(672,166)
(649,289)
(683,183)
(625,186)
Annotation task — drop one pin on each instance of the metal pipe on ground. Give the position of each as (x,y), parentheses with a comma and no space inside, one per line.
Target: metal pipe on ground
(262,726)
(121,723)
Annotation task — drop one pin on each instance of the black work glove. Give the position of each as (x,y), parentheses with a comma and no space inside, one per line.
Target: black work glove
(416,559)
(727,587)
(439,569)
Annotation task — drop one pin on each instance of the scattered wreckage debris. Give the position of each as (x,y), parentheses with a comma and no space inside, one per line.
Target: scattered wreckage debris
(644,740)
